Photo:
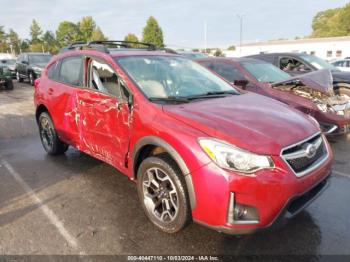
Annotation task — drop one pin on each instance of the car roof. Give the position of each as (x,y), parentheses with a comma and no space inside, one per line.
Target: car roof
(278,54)
(233,59)
(34,53)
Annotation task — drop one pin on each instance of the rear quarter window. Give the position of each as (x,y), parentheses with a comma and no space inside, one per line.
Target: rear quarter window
(53,71)
(71,71)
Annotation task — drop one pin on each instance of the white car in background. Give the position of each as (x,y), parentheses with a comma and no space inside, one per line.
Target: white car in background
(343,64)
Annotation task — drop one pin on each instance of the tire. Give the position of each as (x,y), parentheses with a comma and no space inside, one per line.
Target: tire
(9,85)
(159,202)
(48,136)
(31,78)
(19,79)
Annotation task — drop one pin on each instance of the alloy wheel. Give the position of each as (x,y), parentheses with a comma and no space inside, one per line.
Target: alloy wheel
(160,195)
(46,133)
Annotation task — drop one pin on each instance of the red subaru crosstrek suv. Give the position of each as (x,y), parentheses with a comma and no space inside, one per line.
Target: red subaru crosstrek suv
(198,149)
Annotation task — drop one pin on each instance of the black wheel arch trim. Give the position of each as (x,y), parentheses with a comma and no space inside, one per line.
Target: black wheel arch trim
(156,141)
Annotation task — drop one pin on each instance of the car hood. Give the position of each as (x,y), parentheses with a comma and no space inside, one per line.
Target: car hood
(40,65)
(321,80)
(250,121)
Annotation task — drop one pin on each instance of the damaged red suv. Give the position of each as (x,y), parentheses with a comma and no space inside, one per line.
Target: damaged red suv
(198,149)
(310,93)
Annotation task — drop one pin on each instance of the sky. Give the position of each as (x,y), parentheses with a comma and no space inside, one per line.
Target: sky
(182,21)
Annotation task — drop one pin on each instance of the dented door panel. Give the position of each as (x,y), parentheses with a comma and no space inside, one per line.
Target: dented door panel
(103,127)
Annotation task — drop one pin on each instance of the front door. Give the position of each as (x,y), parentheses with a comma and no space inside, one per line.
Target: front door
(104,114)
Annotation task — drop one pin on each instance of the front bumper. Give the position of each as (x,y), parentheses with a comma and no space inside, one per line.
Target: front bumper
(277,195)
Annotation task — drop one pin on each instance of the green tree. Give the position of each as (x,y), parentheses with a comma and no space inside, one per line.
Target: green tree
(67,33)
(87,27)
(332,22)
(14,41)
(50,43)
(35,32)
(131,38)
(232,48)
(152,33)
(3,44)
(97,35)
(218,52)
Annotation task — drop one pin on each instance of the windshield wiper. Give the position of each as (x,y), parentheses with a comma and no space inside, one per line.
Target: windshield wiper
(170,99)
(212,94)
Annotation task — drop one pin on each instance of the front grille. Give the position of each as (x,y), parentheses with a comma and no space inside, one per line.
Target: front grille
(306,155)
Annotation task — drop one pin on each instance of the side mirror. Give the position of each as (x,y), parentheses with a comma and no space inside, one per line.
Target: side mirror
(241,83)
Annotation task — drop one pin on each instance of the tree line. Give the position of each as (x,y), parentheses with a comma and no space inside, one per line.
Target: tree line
(68,32)
(332,22)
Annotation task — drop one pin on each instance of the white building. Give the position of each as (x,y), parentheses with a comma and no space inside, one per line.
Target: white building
(327,48)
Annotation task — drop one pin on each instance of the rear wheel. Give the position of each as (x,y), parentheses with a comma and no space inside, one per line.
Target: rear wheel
(31,78)
(163,193)
(9,84)
(18,77)
(48,135)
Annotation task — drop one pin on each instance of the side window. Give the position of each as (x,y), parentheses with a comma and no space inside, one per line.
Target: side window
(228,71)
(71,71)
(53,71)
(103,78)
(292,64)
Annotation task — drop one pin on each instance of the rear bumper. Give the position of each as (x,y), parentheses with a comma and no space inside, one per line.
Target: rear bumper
(293,207)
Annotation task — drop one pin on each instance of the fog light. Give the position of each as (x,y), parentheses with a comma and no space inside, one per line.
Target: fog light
(241,214)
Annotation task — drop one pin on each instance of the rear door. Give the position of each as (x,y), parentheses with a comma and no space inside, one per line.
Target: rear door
(65,79)
(104,113)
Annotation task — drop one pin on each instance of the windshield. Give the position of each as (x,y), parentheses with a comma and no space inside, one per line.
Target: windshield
(39,59)
(317,62)
(265,72)
(170,76)
(8,61)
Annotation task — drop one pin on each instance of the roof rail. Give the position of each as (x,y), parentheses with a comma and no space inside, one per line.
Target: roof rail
(123,44)
(103,46)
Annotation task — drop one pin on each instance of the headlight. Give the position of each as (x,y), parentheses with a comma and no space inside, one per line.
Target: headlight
(230,157)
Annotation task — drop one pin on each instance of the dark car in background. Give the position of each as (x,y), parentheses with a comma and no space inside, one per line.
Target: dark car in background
(5,78)
(192,55)
(301,63)
(30,65)
(310,93)
(10,64)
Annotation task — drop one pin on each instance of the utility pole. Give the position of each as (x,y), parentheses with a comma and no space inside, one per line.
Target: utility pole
(240,17)
(205,36)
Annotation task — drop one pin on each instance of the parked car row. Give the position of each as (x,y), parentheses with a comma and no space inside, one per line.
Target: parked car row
(198,147)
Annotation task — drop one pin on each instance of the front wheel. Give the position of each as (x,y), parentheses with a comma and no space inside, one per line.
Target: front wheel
(48,135)
(31,78)
(18,77)
(9,84)
(163,193)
